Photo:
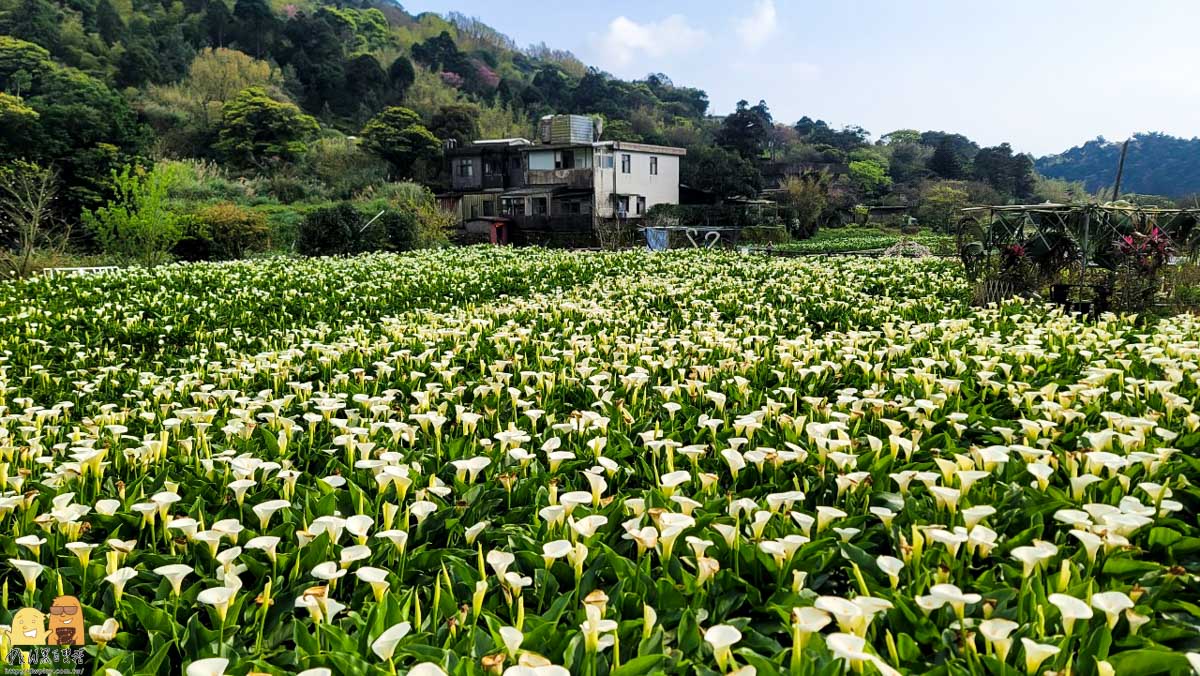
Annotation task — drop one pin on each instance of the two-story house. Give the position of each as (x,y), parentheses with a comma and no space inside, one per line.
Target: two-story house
(480,172)
(569,183)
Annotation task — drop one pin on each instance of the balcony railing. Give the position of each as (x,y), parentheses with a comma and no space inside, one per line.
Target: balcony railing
(569,222)
(572,178)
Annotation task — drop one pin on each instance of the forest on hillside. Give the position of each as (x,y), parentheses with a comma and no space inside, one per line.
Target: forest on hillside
(1155,164)
(214,129)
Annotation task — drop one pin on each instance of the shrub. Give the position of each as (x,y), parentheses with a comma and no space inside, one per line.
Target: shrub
(433,224)
(287,189)
(136,225)
(200,180)
(345,229)
(195,244)
(330,231)
(343,167)
(232,230)
(402,229)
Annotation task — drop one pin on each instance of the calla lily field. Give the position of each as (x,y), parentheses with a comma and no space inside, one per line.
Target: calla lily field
(521,461)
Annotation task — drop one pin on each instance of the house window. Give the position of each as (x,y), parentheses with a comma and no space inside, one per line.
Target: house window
(510,206)
(622,206)
(572,207)
(489,208)
(564,159)
(474,211)
(641,205)
(492,167)
(539,206)
(653,166)
(604,160)
(466,168)
(626,163)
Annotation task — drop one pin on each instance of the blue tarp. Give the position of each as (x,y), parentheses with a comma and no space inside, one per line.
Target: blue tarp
(657,239)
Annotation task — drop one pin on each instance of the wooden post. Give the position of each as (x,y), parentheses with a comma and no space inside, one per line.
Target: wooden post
(1120,170)
(1087,227)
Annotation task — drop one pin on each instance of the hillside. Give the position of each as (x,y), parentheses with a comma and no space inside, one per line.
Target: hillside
(1156,164)
(247,117)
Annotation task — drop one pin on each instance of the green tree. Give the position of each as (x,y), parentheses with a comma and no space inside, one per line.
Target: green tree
(82,127)
(17,120)
(940,205)
(138,65)
(459,122)
(397,135)
(620,130)
(254,25)
(746,129)
(721,172)
(437,53)
(109,23)
(907,162)
(136,225)
(218,23)
(220,74)
(38,21)
(215,77)
(366,83)
(819,133)
(901,136)
(256,129)
(401,75)
(1060,191)
(869,175)
(945,161)
(1010,174)
(808,196)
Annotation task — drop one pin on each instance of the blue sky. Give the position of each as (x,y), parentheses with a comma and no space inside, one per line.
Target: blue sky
(1043,75)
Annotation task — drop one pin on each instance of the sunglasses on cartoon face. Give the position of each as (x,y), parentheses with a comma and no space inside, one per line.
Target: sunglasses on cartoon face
(64,610)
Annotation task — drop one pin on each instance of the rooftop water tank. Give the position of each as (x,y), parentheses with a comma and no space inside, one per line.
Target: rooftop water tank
(561,129)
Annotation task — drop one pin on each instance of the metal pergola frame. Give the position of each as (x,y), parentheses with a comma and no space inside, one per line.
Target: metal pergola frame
(1092,229)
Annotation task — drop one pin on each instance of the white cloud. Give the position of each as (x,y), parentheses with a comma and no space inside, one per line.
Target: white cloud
(756,29)
(627,42)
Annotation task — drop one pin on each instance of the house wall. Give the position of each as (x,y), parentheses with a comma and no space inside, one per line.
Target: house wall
(602,187)
(472,182)
(661,188)
(472,206)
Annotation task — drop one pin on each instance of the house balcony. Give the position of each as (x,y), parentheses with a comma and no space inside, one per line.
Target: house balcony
(571,178)
(555,222)
(494,182)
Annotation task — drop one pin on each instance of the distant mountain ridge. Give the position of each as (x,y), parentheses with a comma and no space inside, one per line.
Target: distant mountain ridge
(1157,164)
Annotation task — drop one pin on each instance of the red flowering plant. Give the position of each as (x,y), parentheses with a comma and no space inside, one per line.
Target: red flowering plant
(1139,259)
(1017,268)
(1145,253)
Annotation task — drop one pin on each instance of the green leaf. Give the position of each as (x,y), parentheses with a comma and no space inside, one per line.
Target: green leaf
(643,664)
(1146,662)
